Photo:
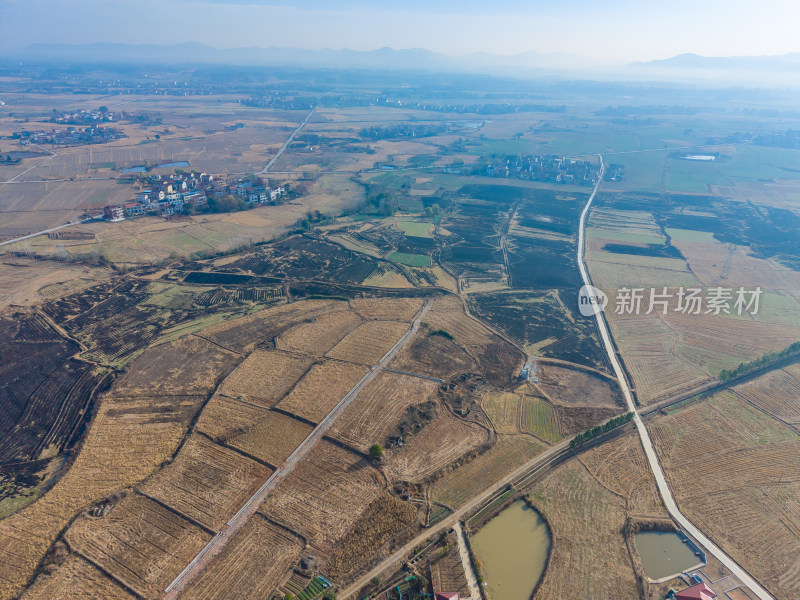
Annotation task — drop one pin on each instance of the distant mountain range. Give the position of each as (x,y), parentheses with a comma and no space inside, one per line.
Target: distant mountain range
(695,61)
(780,70)
(383,58)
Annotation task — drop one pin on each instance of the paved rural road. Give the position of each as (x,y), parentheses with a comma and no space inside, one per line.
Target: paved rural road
(52,229)
(536,463)
(274,159)
(472,581)
(218,542)
(652,458)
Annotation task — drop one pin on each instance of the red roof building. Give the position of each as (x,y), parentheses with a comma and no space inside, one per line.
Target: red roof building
(697,592)
(448,596)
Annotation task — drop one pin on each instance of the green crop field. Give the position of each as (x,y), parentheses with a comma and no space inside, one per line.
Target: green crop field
(415,228)
(540,418)
(412,260)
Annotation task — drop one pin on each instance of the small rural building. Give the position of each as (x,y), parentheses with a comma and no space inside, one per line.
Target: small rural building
(113,213)
(697,592)
(448,596)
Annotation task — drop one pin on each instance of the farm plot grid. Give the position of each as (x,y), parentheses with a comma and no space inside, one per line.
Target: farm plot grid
(251,565)
(369,342)
(225,418)
(324,495)
(387,309)
(207,482)
(379,407)
(139,542)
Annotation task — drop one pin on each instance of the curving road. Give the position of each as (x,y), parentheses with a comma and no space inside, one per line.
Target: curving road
(652,458)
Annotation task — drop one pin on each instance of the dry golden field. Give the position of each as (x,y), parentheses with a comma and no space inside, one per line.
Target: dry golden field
(188,365)
(589,558)
(27,281)
(385,518)
(320,335)
(387,309)
(621,466)
(265,377)
(470,479)
(441,442)
(251,565)
(76,579)
(207,482)
(379,407)
(776,393)
(734,472)
(272,438)
(225,418)
(324,495)
(368,343)
(433,355)
(321,389)
(139,542)
(244,334)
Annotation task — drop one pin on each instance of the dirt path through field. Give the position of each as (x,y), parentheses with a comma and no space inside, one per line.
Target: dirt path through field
(275,158)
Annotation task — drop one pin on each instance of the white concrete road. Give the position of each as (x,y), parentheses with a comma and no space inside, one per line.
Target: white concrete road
(275,158)
(52,229)
(652,458)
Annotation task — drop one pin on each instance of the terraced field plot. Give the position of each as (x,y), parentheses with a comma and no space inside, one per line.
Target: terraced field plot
(140,542)
(265,377)
(368,343)
(207,482)
(321,389)
(76,579)
(540,418)
(319,336)
(225,418)
(272,438)
(324,495)
(440,443)
(434,355)
(251,565)
(378,409)
(387,309)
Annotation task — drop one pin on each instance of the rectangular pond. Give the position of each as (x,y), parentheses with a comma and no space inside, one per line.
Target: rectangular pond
(664,553)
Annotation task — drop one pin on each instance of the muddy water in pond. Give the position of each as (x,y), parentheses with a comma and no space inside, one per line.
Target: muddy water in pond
(513,549)
(663,553)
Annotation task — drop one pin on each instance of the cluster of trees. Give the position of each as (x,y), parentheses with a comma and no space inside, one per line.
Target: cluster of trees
(769,359)
(592,433)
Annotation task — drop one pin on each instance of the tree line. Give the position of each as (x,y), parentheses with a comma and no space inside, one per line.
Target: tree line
(769,359)
(594,432)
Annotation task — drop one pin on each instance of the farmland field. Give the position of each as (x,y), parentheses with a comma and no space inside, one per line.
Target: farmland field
(734,471)
(76,578)
(589,558)
(321,389)
(386,309)
(440,443)
(253,563)
(540,418)
(207,482)
(319,336)
(224,418)
(265,377)
(369,342)
(378,409)
(139,542)
(325,495)
(272,438)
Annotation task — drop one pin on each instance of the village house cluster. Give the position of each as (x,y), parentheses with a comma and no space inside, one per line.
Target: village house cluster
(546,167)
(69,136)
(83,116)
(176,194)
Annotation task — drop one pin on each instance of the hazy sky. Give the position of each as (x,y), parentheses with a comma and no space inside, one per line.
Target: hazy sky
(613,31)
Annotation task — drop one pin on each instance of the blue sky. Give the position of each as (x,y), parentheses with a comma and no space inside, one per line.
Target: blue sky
(614,31)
